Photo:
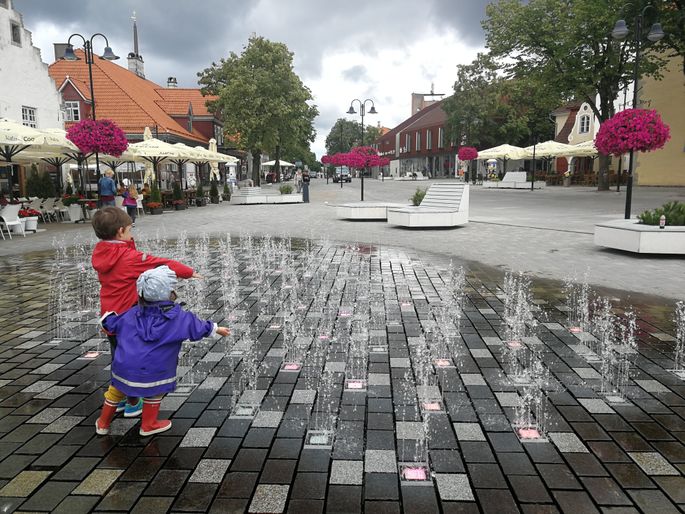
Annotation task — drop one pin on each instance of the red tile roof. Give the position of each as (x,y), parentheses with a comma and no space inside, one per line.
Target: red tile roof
(131,101)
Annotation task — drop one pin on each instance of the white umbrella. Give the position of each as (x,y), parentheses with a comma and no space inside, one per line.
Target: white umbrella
(153,151)
(503,152)
(585,149)
(548,149)
(214,165)
(281,162)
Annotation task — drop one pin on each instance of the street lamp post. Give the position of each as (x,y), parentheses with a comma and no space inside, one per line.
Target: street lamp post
(108,55)
(619,32)
(362,112)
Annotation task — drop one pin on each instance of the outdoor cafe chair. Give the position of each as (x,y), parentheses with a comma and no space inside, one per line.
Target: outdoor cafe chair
(9,217)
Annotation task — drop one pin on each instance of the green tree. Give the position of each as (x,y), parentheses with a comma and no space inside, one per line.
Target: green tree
(261,99)
(351,135)
(567,45)
(672,17)
(488,109)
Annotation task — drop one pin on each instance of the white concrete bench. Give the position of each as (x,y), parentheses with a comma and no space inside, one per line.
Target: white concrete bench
(445,205)
(514,180)
(365,210)
(257,195)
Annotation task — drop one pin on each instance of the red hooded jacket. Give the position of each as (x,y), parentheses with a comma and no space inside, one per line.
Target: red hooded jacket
(119,264)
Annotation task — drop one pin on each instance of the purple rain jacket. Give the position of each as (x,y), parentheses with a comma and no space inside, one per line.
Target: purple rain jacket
(149,340)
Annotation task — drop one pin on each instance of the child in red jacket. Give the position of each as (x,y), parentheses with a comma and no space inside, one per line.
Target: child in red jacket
(119,264)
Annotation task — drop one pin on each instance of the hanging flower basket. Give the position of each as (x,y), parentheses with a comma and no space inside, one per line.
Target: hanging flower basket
(467,153)
(639,130)
(103,136)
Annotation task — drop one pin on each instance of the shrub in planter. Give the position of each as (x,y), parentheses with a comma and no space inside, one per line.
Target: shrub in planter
(70,199)
(227,193)
(674,212)
(177,193)
(179,205)
(214,192)
(155,207)
(286,189)
(418,195)
(200,199)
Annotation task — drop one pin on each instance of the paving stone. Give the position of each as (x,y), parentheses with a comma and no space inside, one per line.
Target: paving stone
(567,442)
(122,496)
(344,498)
(210,471)
(653,463)
(380,461)
(409,430)
(472,379)
(596,406)
(652,386)
(454,487)
(98,482)
(269,498)
(48,415)
(198,437)
(305,396)
(347,472)
(267,419)
(63,424)
(469,432)
(309,486)
(24,483)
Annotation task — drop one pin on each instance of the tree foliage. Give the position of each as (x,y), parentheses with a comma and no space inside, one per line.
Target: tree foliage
(261,99)
(672,17)
(489,109)
(567,45)
(337,142)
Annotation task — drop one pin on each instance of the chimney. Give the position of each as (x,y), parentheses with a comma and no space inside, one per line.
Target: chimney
(171,82)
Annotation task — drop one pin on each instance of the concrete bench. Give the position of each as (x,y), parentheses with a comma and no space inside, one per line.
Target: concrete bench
(445,205)
(514,180)
(257,195)
(410,176)
(365,210)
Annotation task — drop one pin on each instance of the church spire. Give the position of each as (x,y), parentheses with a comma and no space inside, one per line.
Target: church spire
(135,60)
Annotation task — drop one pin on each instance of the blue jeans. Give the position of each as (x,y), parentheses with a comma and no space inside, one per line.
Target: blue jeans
(107,203)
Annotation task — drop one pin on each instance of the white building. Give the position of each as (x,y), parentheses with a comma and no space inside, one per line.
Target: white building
(27,93)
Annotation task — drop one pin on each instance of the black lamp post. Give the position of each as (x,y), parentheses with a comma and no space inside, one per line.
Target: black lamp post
(362,112)
(619,32)
(108,55)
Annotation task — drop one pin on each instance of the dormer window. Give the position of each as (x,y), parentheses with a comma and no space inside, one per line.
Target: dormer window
(584,125)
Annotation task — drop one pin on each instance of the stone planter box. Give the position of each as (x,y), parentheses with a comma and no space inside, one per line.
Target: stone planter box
(157,210)
(75,213)
(31,224)
(181,207)
(200,202)
(631,236)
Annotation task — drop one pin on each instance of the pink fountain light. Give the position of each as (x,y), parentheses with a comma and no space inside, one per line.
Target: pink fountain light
(291,366)
(442,363)
(415,473)
(575,330)
(275,327)
(432,406)
(514,344)
(529,433)
(324,337)
(344,313)
(91,355)
(355,384)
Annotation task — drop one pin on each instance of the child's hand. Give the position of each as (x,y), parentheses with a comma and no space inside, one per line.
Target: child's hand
(197,275)
(223,331)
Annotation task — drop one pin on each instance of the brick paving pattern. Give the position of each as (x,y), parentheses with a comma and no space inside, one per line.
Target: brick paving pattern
(325,398)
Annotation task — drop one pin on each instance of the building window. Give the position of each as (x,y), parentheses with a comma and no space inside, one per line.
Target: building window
(28,116)
(418,141)
(73,110)
(429,139)
(407,142)
(441,137)
(584,124)
(3,3)
(15,29)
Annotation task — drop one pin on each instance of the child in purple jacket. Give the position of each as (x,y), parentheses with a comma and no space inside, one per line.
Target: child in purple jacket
(149,338)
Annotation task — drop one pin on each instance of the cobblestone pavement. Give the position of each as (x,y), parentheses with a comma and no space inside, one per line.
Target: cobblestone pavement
(546,232)
(352,371)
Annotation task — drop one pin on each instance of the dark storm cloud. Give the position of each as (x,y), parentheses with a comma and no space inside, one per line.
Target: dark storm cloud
(181,37)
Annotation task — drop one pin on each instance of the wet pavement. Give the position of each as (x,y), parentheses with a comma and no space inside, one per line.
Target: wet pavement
(328,398)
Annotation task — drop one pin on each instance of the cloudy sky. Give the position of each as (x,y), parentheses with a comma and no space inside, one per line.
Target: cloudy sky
(382,50)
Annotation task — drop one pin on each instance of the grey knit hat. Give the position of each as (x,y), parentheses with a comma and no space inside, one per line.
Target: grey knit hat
(156,285)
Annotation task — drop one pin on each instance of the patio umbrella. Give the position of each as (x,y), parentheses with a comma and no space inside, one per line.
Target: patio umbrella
(186,153)
(281,162)
(503,153)
(585,149)
(14,139)
(214,165)
(548,149)
(153,151)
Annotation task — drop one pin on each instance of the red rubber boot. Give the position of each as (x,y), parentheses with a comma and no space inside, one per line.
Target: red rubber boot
(109,409)
(150,424)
